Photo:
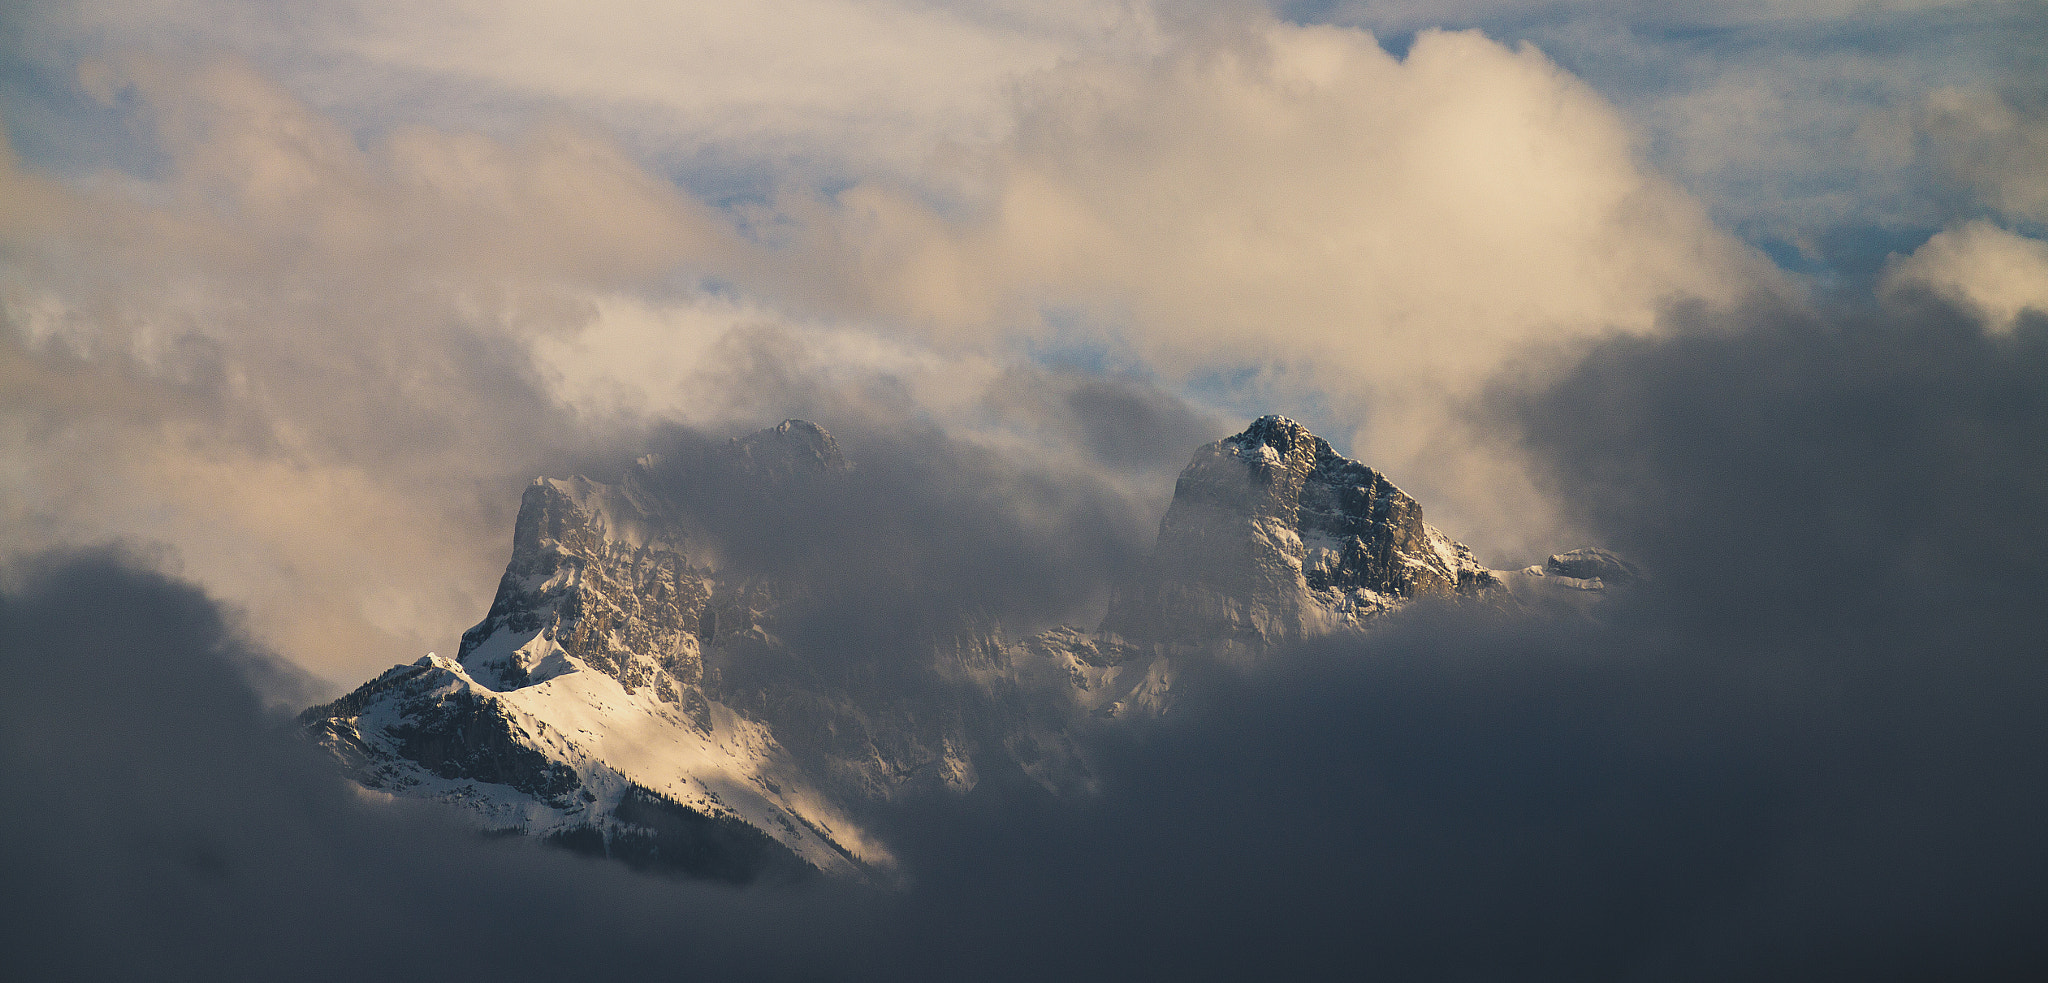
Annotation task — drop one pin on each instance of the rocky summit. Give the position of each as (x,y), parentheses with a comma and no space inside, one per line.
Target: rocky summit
(1275,537)
(631,693)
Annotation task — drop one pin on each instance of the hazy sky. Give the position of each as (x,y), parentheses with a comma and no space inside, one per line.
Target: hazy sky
(294,302)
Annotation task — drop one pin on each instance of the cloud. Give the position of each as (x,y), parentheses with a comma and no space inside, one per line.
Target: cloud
(304,363)
(1802,126)
(1810,745)
(308,309)
(185,833)
(321,373)
(924,529)
(826,91)
(1286,191)
(334,309)
(1359,232)
(1978,264)
(1859,473)
(1127,426)
(1995,146)
(319,361)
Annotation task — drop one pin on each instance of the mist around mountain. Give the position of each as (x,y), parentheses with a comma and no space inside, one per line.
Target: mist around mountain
(1808,746)
(663,678)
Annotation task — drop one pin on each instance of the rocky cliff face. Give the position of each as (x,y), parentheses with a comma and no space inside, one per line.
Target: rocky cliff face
(593,573)
(581,700)
(1273,537)
(629,694)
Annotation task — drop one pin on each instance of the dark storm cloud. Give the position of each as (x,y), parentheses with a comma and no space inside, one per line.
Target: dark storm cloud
(1026,514)
(924,538)
(1505,801)
(1454,800)
(164,827)
(1870,472)
(1811,748)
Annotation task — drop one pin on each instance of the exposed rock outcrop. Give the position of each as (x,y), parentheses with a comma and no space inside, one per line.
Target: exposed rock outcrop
(1274,537)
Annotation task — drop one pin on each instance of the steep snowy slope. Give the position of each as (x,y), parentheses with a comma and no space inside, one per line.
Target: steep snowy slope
(576,709)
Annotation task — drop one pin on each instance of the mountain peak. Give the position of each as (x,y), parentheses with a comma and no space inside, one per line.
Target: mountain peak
(1281,434)
(788,450)
(1274,536)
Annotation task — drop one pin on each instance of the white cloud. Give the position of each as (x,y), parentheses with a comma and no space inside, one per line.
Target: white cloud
(1797,121)
(1386,233)
(319,361)
(825,89)
(303,363)
(1644,14)
(1996,272)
